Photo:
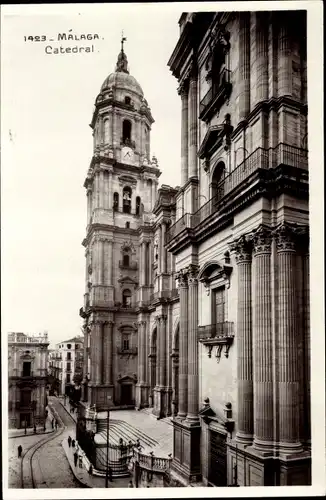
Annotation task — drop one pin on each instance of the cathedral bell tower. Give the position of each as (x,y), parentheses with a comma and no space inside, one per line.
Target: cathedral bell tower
(121,186)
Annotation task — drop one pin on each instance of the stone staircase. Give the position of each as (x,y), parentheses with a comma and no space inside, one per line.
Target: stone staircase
(149,411)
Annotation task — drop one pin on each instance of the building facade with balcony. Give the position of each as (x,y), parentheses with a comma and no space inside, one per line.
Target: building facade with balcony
(129,287)
(241,249)
(66,364)
(27,362)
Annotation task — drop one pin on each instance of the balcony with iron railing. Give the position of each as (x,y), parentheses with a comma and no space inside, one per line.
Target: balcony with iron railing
(164,294)
(216,95)
(130,351)
(131,265)
(260,159)
(217,335)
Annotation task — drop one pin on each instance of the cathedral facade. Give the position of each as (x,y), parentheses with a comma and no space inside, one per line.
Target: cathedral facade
(197,297)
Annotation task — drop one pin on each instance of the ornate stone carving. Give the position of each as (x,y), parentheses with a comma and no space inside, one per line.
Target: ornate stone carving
(183,89)
(192,272)
(182,279)
(242,249)
(285,238)
(262,240)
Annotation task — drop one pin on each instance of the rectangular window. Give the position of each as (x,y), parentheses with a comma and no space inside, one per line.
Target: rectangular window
(125,344)
(68,367)
(68,355)
(26,369)
(25,398)
(68,378)
(218,313)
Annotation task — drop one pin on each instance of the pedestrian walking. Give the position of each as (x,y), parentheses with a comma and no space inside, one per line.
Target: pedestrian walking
(69,441)
(56,424)
(34,429)
(52,423)
(80,461)
(20,451)
(90,470)
(75,458)
(130,485)
(73,443)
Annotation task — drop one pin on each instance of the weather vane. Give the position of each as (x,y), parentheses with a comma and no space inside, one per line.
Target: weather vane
(123,39)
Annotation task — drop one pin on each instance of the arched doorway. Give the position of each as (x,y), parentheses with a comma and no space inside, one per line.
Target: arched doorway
(152,366)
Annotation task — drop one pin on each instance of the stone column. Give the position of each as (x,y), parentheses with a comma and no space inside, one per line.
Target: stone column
(110,191)
(263,370)
(150,263)
(100,260)
(143,263)
(284,57)
(110,262)
(101,189)
(183,92)
(97,346)
(142,352)
(307,349)
(89,205)
(175,377)
(244,65)
(162,350)
(183,344)
(244,342)
(193,121)
(288,376)
(108,352)
(262,55)
(163,251)
(85,361)
(153,193)
(159,263)
(193,387)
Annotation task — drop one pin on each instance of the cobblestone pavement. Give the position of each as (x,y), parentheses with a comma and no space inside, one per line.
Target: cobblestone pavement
(14,472)
(50,464)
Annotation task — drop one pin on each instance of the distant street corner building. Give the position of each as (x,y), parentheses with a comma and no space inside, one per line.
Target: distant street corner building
(66,365)
(196,298)
(27,364)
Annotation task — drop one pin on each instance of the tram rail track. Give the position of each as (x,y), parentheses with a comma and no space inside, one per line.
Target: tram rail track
(29,481)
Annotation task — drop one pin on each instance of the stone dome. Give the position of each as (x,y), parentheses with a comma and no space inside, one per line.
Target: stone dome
(121,78)
(123,81)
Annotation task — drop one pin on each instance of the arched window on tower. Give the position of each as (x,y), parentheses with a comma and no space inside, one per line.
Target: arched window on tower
(126,260)
(137,205)
(127,100)
(106,131)
(126,132)
(115,201)
(126,298)
(127,200)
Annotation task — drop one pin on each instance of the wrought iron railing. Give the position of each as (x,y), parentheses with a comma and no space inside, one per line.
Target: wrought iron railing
(261,158)
(131,265)
(163,294)
(131,350)
(216,330)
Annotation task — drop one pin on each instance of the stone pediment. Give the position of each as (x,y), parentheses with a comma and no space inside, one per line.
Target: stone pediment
(127,280)
(126,379)
(127,179)
(213,270)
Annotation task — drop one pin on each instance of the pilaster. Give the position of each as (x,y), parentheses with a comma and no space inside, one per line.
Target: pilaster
(183,92)
(193,388)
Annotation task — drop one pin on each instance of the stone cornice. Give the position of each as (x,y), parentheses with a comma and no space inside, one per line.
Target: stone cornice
(266,106)
(267,183)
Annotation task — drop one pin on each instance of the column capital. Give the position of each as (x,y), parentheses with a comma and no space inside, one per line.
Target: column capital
(242,248)
(262,239)
(140,323)
(108,323)
(192,272)
(182,279)
(161,317)
(285,238)
(183,89)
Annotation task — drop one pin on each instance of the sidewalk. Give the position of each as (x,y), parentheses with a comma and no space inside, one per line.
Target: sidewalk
(15,433)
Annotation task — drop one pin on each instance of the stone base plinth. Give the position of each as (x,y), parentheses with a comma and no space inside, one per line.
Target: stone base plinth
(141,396)
(249,467)
(102,396)
(186,452)
(160,404)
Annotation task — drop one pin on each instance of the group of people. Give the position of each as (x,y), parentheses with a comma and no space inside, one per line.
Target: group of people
(78,457)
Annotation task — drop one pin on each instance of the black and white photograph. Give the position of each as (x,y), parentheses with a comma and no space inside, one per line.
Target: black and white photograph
(162,249)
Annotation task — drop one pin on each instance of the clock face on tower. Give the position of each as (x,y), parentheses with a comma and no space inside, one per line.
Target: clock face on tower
(127,155)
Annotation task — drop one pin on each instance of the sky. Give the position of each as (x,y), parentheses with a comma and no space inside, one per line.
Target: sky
(48,102)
